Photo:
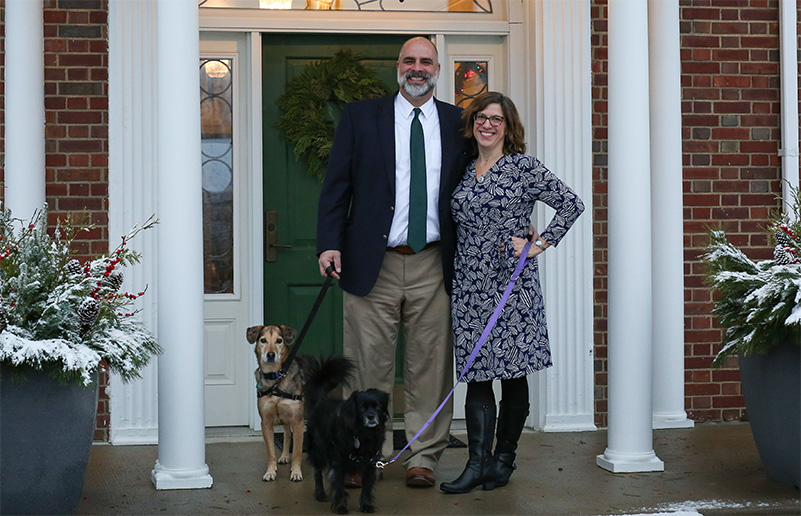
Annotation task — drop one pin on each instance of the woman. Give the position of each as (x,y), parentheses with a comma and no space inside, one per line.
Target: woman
(492,207)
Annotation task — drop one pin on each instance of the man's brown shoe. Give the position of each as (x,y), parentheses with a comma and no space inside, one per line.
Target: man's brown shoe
(420,477)
(354,480)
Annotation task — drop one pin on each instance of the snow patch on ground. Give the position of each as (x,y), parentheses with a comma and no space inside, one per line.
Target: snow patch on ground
(692,508)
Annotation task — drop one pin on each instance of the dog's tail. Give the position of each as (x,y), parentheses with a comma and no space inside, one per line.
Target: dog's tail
(324,375)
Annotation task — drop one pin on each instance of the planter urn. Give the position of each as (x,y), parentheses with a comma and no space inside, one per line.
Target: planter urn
(46,433)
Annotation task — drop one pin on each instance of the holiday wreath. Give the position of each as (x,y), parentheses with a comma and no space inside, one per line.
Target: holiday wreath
(314,100)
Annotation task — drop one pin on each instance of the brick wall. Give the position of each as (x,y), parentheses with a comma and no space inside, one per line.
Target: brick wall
(76,127)
(731,132)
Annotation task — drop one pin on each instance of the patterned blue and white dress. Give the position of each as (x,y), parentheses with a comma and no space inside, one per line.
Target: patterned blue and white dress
(488,212)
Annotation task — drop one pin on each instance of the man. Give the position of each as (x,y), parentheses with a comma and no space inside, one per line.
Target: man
(390,281)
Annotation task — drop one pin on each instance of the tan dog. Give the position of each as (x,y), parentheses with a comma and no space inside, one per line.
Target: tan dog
(280,399)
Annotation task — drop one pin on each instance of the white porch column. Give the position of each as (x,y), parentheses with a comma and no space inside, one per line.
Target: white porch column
(560,117)
(182,455)
(24,108)
(630,439)
(668,217)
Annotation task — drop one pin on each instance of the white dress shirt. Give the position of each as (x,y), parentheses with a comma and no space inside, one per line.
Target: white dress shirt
(429,118)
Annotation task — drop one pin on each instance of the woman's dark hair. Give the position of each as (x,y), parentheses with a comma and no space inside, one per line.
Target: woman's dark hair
(515,136)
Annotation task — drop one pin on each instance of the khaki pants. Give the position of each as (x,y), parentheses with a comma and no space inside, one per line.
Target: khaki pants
(409,292)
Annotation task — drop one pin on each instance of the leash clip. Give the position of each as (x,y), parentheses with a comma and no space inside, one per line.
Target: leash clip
(380,464)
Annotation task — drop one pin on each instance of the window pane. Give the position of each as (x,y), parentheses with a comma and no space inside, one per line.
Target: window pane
(470,80)
(217,169)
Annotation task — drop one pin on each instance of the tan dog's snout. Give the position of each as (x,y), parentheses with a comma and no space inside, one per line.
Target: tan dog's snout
(270,356)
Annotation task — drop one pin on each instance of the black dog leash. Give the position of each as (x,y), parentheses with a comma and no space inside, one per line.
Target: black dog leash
(328,279)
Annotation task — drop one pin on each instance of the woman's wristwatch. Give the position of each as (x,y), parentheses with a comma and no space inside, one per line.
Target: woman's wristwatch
(539,243)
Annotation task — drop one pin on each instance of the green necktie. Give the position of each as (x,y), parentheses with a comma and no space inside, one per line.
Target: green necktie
(416,237)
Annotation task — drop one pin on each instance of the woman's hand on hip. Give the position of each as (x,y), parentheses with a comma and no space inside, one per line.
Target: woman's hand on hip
(519,243)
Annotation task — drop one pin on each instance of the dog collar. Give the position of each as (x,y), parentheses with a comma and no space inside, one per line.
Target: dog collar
(272,376)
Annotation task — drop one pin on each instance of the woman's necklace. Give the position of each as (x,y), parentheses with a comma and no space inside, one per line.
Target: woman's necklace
(485,165)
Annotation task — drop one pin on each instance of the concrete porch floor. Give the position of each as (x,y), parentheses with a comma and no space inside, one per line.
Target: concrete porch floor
(712,469)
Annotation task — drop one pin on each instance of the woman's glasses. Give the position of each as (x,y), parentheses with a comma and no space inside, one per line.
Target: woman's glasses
(494,120)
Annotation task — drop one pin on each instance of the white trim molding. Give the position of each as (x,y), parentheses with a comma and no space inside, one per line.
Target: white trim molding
(132,196)
(559,128)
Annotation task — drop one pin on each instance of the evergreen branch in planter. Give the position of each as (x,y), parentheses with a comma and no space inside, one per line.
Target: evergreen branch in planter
(62,316)
(759,303)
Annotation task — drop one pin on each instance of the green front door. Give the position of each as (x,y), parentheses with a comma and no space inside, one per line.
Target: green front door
(292,281)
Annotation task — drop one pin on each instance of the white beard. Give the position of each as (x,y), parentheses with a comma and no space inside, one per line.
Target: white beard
(417,90)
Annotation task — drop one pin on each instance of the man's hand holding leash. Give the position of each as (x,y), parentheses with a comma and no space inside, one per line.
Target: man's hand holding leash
(328,258)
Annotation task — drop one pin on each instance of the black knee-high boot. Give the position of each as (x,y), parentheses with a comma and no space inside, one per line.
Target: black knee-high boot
(511,420)
(480,468)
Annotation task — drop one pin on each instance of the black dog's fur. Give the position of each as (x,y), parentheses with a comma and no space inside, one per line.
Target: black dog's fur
(343,437)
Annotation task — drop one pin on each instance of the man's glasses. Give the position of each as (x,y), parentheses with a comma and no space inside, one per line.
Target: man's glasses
(494,120)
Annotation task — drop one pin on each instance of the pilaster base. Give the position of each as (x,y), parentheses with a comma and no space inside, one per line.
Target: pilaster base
(629,462)
(165,479)
(678,420)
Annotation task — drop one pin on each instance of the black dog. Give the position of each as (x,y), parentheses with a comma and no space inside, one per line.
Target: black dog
(343,437)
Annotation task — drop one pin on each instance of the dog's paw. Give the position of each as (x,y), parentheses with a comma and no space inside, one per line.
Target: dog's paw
(340,509)
(296,476)
(269,476)
(283,459)
(367,507)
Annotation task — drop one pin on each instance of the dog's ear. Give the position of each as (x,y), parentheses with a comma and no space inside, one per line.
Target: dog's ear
(383,400)
(289,334)
(252,333)
(347,411)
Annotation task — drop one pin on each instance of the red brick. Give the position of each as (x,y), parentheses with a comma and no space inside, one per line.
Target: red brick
(706,68)
(700,41)
(730,186)
(732,107)
(759,120)
(730,28)
(702,389)
(749,68)
(79,160)
(758,14)
(756,147)
(79,203)
(731,133)
(730,54)
(80,117)
(78,46)
(731,82)
(730,159)
(69,60)
(727,401)
(700,13)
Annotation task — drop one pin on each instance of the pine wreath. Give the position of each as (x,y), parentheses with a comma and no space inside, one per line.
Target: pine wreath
(314,100)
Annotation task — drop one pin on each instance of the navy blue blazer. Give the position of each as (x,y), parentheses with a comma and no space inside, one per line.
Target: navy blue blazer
(358,195)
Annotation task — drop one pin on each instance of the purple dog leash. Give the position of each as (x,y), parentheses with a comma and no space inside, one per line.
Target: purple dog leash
(487,329)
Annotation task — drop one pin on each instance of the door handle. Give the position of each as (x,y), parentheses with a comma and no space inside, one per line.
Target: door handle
(271,244)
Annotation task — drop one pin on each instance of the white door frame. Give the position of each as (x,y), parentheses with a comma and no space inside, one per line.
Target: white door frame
(539,82)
